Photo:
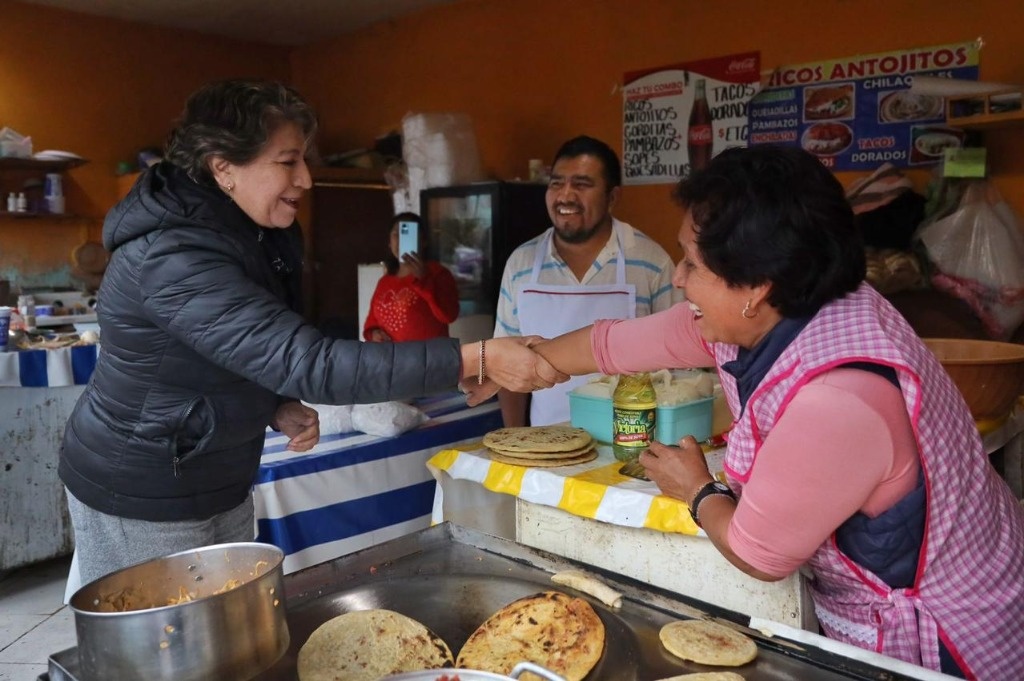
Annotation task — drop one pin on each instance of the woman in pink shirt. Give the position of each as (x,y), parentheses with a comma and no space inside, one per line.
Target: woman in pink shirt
(852,454)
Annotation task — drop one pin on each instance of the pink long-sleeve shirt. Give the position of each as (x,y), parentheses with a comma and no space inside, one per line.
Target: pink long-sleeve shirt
(844,444)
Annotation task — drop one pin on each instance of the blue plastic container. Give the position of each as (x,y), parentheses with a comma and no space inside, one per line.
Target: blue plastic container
(594,415)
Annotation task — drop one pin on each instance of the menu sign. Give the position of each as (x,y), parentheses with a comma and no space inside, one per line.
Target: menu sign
(858,113)
(675,118)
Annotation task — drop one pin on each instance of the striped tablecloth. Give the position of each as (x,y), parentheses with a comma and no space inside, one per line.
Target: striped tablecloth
(594,489)
(355,490)
(47,368)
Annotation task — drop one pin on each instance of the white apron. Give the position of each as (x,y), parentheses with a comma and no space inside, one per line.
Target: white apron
(550,310)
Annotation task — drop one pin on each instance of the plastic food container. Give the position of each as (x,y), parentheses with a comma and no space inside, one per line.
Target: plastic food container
(594,414)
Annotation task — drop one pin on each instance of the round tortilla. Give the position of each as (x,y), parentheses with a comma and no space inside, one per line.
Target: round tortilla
(367,644)
(707,642)
(551,629)
(537,439)
(588,455)
(544,455)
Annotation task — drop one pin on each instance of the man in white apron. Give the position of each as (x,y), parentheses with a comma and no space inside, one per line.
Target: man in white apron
(587,266)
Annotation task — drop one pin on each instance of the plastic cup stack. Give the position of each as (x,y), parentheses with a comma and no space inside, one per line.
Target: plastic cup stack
(54,193)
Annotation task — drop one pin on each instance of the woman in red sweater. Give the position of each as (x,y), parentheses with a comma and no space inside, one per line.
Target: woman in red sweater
(416,299)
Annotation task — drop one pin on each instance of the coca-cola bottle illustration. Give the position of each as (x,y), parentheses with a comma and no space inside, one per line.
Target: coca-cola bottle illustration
(698,135)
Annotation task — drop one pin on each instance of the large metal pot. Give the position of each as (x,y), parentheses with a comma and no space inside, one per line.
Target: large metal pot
(232,629)
(473,675)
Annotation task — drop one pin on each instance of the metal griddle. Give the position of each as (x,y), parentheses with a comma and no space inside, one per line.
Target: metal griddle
(452,579)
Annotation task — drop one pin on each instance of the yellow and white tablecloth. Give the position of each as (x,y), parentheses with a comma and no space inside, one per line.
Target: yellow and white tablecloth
(594,489)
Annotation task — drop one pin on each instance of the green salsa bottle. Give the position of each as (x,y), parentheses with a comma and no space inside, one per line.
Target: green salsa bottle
(634,406)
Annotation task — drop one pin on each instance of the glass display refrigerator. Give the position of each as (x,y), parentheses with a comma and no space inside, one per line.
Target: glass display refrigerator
(473,229)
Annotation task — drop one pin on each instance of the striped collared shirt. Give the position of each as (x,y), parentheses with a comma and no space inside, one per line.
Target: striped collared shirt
(648,267)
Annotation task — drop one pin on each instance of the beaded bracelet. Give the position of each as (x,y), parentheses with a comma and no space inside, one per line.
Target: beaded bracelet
(481,372)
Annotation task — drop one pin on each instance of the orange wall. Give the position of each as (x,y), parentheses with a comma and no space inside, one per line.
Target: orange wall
(101,89)
(532,73)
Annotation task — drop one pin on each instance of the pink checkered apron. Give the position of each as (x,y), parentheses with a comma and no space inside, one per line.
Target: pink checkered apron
(969,586)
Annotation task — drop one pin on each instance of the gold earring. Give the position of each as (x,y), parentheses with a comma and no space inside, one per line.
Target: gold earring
(746,310)
(231,186)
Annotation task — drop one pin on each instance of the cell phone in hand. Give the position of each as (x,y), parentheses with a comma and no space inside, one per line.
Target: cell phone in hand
(408,238)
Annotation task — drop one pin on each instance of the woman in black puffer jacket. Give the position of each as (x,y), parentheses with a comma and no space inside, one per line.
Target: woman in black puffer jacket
(203,345)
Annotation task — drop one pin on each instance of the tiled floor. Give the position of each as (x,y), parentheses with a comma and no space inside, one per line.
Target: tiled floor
(34,622)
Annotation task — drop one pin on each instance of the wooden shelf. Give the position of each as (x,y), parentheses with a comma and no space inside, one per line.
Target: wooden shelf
(987,111)
(326,176)
(31,215)
(34,164)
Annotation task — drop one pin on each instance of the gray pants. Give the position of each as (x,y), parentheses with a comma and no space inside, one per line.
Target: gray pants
(106,543)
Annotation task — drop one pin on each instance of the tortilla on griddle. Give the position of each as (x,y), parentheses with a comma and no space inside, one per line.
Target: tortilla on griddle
(707,642)
(552,629)
(537,439)
(586,456)
(367,644)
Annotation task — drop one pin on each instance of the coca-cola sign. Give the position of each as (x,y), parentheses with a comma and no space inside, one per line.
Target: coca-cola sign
(700,134)
(676,118)
(741,65)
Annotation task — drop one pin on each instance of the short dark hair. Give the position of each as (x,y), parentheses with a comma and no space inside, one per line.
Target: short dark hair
(777,215)
(234,119)
(391,263)
(590,146)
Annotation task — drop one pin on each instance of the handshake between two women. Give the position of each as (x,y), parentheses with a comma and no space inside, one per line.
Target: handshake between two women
(510,363)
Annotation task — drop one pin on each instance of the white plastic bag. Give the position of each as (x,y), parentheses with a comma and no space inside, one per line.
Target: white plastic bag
(334,419)
(978,252)
(439,150)
(386,419)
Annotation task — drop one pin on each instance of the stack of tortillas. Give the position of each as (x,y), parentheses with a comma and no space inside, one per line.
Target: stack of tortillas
(707,642)
(368,644)
(541,445)
(554,630)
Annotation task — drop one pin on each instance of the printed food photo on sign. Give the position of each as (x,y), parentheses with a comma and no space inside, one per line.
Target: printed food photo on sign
(898,106)
(929,143)
(827,139)
(829,102)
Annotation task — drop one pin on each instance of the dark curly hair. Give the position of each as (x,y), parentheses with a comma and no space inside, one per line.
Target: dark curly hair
(775,214)
(234,119)
(591,146)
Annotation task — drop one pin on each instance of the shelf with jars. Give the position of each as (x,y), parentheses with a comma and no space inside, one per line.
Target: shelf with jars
(26,177)
(987,111)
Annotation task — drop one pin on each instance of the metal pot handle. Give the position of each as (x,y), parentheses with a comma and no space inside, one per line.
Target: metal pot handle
(536,669)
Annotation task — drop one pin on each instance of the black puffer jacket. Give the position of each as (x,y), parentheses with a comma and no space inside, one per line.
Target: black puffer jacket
(198,348)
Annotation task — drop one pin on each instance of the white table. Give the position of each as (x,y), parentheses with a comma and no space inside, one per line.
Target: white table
(34,522)
(38,390)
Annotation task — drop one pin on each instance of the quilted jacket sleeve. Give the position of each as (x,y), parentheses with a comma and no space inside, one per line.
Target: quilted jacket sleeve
(199,287)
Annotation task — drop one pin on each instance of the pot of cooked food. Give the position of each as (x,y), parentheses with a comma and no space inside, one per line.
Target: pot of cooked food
(216,612)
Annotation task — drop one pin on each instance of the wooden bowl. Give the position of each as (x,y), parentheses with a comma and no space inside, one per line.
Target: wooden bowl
(989,374)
